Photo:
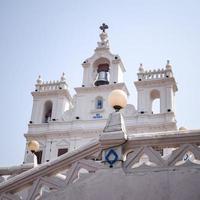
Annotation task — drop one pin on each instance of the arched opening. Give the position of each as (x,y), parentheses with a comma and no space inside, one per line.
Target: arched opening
(101,74)
(47,112)
(99,103)
(155,101)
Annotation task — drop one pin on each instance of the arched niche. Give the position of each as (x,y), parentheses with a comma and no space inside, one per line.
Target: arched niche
(99,102)
(101,64)
(155,101)
(47,111)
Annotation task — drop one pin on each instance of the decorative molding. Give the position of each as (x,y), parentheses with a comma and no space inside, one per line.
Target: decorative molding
(63,92)
(139,144)
(134,157)
(63,142)
(53,183)
(108,88)
(179,153)
(151,82)
(137,123)
(47,169)
(89,165)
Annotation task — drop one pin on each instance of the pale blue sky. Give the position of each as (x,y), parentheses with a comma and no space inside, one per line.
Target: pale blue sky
(49,37)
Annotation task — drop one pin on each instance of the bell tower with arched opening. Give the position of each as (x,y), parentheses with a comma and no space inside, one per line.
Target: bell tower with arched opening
(103,67)
(50,100)
(156,92)
(102,73)
(60,123)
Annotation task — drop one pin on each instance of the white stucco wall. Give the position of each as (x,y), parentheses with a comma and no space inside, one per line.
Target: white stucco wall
(112,184)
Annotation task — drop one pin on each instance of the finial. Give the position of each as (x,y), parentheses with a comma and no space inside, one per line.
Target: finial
(168,66)
(141,69)
(63,78)
(104,43)
(39,80)
(103,27)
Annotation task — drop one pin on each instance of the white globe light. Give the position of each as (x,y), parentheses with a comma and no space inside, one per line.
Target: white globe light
(117,99)
(33,146)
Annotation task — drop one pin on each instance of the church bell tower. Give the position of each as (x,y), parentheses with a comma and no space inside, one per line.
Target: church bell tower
(50,100)
(102,73)
(103,67)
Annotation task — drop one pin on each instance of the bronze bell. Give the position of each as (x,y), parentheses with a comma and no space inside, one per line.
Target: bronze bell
(102,76)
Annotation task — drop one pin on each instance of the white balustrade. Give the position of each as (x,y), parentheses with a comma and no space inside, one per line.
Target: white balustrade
(47,86)
(155,74)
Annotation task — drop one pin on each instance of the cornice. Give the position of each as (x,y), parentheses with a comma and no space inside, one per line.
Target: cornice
(153,82)
(62,92)
(108,87)
(63,134)
(94,127)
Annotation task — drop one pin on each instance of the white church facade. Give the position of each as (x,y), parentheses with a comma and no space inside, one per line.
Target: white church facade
(61,123)
(89,148)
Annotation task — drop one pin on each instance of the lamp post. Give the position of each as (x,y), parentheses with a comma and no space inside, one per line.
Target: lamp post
(114,133)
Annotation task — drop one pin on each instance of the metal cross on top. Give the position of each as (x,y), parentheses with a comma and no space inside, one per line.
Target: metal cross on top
(103,27)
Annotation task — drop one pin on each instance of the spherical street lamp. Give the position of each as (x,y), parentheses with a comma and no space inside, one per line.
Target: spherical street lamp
(33,146)
(117,99)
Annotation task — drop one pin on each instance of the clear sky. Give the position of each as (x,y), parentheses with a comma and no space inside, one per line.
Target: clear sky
(49,37)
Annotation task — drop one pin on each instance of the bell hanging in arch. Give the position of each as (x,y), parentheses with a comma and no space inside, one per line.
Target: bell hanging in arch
(102,76)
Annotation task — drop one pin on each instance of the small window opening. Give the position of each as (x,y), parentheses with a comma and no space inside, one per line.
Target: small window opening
(156,106)
(62,151)
(99,103)
(155,101)
(47,112)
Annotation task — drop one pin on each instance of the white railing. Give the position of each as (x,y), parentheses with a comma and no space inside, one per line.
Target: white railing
(155,74)
(51,85)
(145,157)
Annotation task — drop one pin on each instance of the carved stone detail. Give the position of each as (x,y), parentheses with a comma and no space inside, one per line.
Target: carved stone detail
(89,165)
(179,153)
(53,183)
(134,157)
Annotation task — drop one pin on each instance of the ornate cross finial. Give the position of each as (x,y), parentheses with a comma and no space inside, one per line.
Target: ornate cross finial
(103,27)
